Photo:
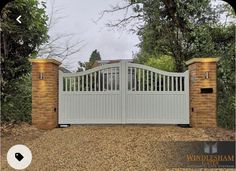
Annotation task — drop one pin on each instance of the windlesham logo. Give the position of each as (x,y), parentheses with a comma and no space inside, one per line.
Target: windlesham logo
(211,158)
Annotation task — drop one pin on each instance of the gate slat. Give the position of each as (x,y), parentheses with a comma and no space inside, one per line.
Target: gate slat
(95,81)
(176,83)
(78,83)
(91,82)
(180,83)
(82,83)
(99,82)
(172,83)
(134,79)
(111,77)
(151,81)
(87,82)
(139,79)
(103,79)
(147,80)
(143,89)
(66,84)
(70,84)
(155,81)
(164,83)
(115,88)
(107,80)
(168,83)
(131,78)
(74,84)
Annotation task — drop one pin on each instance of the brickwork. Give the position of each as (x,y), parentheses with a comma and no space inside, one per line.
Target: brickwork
(45,93)
(202,105)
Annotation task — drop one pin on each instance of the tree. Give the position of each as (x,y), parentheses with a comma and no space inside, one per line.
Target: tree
(184,37)
(172,27)
(95,56)
(18,43)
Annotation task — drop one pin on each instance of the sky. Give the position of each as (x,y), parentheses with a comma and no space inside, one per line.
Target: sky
(78,18)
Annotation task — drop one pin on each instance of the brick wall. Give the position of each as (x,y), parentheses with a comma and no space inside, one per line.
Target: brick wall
(202,105)
(45,93)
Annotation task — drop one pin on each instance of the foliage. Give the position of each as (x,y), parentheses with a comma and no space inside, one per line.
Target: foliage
(164,62)
(82,66)
(183,37)
(17,106)
(18,42)
(95,56)
(226,76)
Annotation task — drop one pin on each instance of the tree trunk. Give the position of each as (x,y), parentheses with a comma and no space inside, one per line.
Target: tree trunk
(179,66)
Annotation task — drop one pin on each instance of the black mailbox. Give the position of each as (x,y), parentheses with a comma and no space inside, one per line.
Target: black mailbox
(206,90)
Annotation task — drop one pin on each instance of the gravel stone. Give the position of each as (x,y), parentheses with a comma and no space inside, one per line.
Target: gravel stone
(111,147)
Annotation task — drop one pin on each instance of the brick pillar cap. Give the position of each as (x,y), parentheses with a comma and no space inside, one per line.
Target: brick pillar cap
(41,60)
(194,60)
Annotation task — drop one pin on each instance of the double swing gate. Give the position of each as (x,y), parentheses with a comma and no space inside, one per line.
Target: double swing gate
(123,93)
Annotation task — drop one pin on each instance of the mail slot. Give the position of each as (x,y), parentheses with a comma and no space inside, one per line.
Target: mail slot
(206,90)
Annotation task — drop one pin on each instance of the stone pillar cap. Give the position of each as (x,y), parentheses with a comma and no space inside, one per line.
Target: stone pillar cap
(41,60)
(194,60)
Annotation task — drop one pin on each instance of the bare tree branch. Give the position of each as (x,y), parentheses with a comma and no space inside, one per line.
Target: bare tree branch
(123,21)
(169,5)
(114,9)
(126,20)
(54,15)
(61,46)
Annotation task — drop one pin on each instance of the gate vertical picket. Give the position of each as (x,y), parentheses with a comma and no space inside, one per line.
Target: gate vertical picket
(123,88)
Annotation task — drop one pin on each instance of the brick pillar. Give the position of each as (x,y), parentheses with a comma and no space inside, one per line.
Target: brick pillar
(45,93)
(203,91)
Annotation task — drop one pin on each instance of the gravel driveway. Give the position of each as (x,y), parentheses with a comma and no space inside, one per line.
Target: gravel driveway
(110,147)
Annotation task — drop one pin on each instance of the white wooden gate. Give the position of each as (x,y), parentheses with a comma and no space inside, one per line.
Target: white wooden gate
(123,93)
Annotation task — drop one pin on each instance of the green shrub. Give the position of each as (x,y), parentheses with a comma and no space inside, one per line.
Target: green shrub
(163,62)
(226,92)
(16,106)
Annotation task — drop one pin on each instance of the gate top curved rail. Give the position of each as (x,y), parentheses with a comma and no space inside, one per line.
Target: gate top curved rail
(166,73)
(107,66)
(145,78)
